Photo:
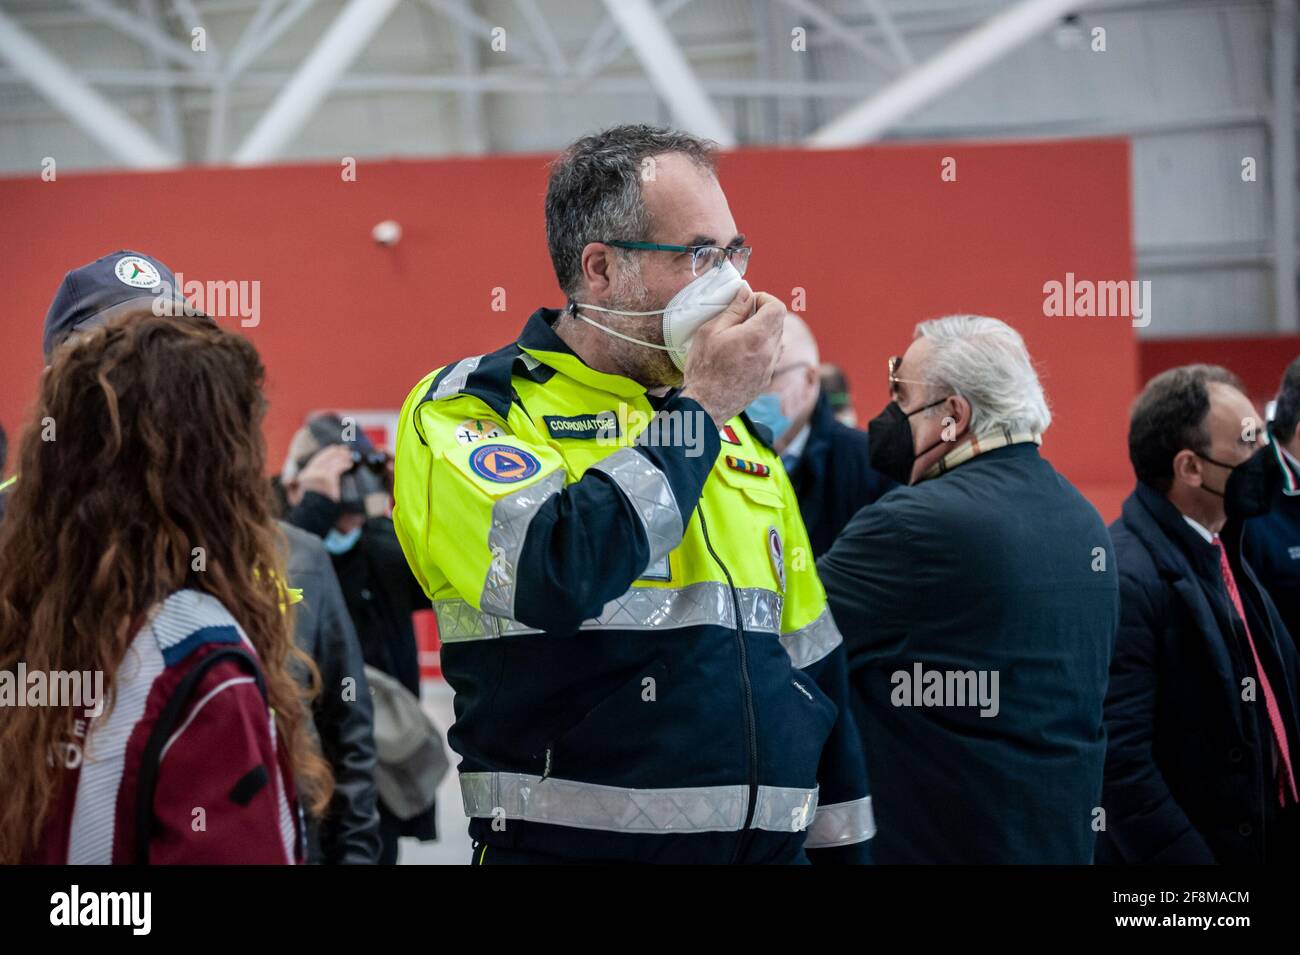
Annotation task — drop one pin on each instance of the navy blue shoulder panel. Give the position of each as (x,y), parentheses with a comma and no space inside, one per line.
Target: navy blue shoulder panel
(760,432)
(486,377)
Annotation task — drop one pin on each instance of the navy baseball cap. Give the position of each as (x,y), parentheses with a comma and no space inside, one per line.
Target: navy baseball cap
(108,287)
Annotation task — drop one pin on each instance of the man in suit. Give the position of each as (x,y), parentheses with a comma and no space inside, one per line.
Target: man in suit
(1201,711)
(978,604)
(829,463)
(1272,541)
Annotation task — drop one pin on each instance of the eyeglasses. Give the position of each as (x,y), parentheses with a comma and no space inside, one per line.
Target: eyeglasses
(895,381)
(703,257)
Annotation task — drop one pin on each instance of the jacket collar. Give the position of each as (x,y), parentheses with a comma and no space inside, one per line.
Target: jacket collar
(1173,543)
(539,340)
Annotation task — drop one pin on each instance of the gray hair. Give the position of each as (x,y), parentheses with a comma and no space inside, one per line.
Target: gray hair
(985,361)
(594,193)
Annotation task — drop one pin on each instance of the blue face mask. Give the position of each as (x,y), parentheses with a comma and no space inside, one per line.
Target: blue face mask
(339,543)
(766,410)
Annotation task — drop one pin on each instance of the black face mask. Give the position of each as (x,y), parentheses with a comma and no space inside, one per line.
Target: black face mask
(889,435)
(1251,485)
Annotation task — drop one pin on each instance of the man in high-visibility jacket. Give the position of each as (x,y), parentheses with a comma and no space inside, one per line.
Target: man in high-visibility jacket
(644,664)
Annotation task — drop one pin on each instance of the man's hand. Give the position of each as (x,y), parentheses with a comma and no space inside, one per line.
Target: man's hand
(322,473)
(732,357)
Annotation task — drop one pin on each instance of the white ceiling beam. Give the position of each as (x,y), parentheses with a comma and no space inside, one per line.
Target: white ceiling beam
(469,103)
(351,30)
(143,31)
(471,21)
(167,97)
(258,34)
(545,35)
(606,44)
(961,60)
(190,16)
(670,74)
(893,35)
(833,27)
(114,130)
(218,119)
(261,32)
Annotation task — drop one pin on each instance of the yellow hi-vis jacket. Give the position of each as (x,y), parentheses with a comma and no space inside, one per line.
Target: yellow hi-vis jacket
(644,663)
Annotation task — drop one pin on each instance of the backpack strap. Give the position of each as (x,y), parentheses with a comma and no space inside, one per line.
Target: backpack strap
(147,781)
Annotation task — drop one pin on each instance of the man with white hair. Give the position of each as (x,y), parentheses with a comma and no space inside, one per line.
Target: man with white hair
(978,605)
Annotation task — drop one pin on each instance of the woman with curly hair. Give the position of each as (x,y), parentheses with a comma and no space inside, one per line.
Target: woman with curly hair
(139,547)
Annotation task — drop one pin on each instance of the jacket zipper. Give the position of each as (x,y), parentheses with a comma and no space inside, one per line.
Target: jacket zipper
(746,685)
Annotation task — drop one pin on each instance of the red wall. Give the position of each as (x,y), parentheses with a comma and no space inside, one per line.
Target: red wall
(874,235)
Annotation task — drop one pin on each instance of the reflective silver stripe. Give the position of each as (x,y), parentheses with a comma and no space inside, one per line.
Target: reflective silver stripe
(760,609)
(511,516)
(458,621)
(456,378)
(809,644)
(842,824)
(779,809)
(566,802)
(641,608)
(647,488)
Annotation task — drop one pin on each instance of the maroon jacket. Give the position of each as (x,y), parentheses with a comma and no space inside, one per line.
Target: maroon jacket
(224,791)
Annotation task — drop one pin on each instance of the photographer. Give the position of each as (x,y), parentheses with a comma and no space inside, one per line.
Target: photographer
(336,486)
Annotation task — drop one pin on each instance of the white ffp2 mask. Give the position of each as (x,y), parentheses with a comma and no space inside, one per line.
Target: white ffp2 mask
(703,298)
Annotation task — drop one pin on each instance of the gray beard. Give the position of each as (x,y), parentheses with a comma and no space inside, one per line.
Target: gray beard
(650,367)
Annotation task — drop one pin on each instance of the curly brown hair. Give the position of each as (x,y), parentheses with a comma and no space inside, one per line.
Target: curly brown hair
(145,443)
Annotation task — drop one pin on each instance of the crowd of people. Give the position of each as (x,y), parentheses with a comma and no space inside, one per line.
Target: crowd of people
(690,612)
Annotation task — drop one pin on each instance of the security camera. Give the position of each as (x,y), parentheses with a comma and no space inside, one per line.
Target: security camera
(387,232)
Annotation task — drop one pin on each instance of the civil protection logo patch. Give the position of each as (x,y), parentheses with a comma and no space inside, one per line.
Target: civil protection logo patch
(504,464)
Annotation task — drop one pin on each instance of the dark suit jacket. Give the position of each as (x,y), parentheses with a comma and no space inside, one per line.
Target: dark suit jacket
(996,566)
(833,478)
(345,727)
(1188,771)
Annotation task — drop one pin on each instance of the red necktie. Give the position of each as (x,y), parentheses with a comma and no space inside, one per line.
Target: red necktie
(1286,776)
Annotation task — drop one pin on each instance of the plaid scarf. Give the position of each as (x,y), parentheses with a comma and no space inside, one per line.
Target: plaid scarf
(977,445)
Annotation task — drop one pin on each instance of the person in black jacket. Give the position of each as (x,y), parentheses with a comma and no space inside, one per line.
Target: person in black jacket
(1201,710)
(1272,541)
(342,712)
(978,606)
(92,294)
(334,486)
(829,463)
